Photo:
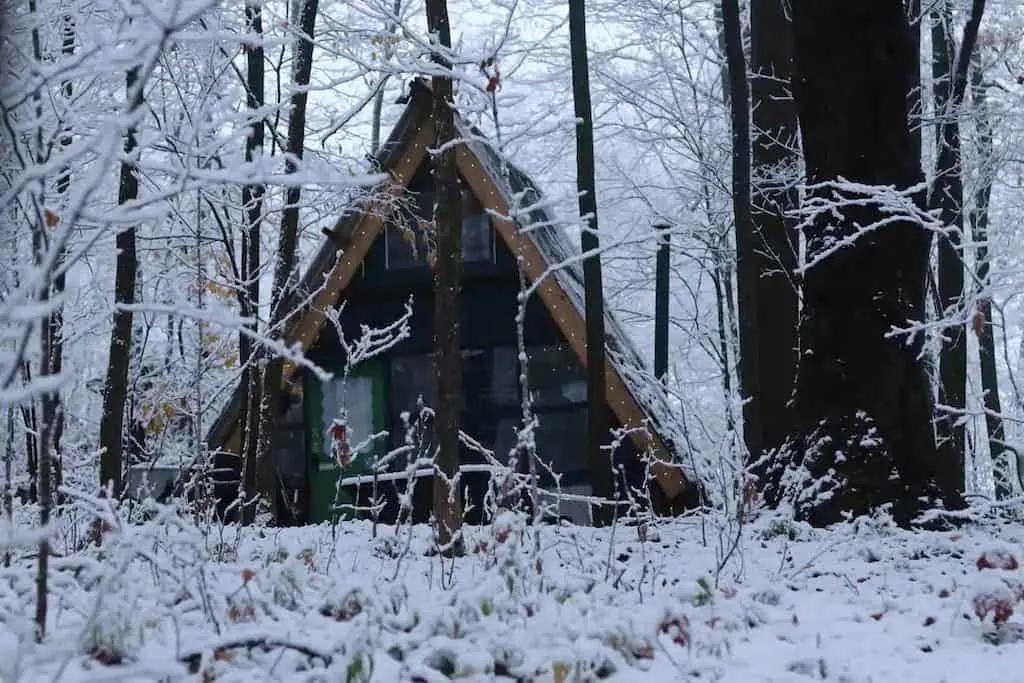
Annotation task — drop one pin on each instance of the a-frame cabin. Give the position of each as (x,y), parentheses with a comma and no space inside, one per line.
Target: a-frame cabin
(373,260)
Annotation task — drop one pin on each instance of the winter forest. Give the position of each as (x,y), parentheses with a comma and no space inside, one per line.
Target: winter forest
(511,340)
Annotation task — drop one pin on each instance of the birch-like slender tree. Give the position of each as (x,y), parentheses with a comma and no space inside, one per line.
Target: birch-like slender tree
(1002,454)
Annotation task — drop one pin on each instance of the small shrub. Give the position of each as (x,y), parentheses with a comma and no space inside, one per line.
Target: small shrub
(114,636)
(346,604)
(997,558)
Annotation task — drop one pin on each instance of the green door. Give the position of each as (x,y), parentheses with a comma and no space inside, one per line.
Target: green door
(362,396)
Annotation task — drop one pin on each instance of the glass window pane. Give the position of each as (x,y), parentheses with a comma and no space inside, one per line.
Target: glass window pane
(556,377)
(561,439)
(505,439)
(477,246)
(406,247)
(356,396)
(411,377)
(505,377)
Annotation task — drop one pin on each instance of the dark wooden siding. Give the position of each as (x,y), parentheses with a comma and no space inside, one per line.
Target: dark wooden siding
(491,408)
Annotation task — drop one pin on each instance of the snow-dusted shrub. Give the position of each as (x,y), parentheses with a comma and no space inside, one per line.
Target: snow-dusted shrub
(285,581)
(345,602)
(114,634)
(1000,586)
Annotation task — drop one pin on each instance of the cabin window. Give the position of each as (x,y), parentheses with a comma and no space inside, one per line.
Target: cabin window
(556,377)
(561,439)
(410,241)
(407,245)
(477,239)
(412,377)
(559,389)
(506,438)
(504,377)
(407,235)
(360,396)
(477,233)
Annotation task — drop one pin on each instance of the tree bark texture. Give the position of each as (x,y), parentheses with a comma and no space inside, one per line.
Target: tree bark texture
(773,254)
(863,403)
(747,274)
(287,245)
(53,326)
(598,419)
(947,198)
(1003,455)
(447,292)
(913,8)
(252,202)
(378,97)
(115,388)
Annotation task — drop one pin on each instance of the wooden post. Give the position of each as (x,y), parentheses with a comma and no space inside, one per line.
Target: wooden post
(661,303)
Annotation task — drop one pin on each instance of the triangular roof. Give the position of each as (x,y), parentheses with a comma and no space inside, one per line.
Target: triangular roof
(632,395)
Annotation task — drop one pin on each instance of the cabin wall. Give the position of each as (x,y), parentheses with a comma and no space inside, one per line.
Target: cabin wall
(492,398)
(396,268)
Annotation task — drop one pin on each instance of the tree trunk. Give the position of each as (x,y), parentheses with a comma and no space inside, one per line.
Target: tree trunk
(53,326)
(913,8)
(8,496)
(287,246)
(863,403)
(252,202)
(447,290)
(598,419)
(30,428)
(746,239)
(50,427)
(772,251)
(947,197)
(115,388)
(1000,452)
(378,98)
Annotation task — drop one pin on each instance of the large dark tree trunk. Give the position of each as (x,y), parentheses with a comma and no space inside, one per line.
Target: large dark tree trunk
(601,478)
(774,250)
(287,246)
(747,274)
(863,402)
(913,8)
(447,293)
(252,203)
(115,388)
(1002,454)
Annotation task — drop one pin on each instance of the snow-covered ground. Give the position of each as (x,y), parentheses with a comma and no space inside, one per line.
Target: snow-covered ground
(169,601)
